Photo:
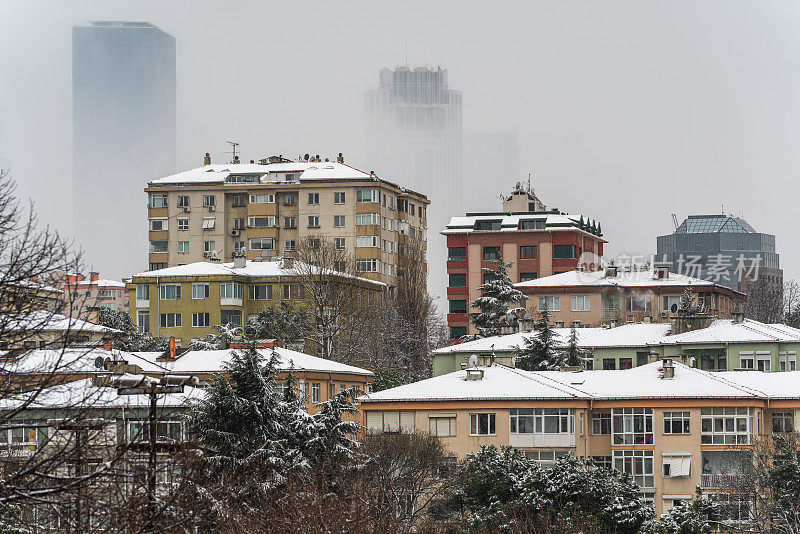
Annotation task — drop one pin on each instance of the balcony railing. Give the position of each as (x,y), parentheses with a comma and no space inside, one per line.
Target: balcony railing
(711,480)
(611,314)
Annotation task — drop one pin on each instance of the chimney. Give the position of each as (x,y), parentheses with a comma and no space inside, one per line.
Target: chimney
(340,159)
(668,368)
(239,261)
(94,277)
(611,271)
(207,159)
(172,348)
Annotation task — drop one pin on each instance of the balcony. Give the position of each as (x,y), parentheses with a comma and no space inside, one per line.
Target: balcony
(717,480)
(611,315)
(724,469)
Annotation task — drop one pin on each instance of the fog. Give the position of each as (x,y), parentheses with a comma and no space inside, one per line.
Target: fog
(625,111)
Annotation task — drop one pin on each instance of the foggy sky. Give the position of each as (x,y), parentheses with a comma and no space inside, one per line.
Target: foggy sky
(626,111)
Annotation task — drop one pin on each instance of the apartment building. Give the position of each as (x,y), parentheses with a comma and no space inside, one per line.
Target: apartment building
(41,329)
(632,294)
(84,298)
(189,301)
(722,345)
(670,426)
(215,211)
(538,242)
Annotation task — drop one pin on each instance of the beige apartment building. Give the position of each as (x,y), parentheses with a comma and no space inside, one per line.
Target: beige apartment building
(266,208)
(670,426)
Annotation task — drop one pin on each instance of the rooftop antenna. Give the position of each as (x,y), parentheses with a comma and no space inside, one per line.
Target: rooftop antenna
(675,220)
(406,53)
(234,146)
(529,182)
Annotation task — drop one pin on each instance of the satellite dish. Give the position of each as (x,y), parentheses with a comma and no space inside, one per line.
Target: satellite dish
(473,361)
(306,157)
(673,308)
(100,362)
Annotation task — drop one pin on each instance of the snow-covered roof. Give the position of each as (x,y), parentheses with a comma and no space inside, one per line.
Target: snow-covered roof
(509,222)
(41,320)
(192,362)
(81,393)
(274,267)
(102,282)
(642,382)
(628,335)
(270,172)
(627,278)
(728,331)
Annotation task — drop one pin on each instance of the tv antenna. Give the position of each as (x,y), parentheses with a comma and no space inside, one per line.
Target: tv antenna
(675,220)
(234,146)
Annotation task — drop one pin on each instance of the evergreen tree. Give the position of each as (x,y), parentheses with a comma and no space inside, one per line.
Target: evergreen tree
(573,354)
(539,352)
(581,224)
(497,296)
(130,337)
(688,518)
(599,230)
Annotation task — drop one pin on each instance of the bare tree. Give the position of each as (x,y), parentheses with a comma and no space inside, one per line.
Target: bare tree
(764,301)
(791,303)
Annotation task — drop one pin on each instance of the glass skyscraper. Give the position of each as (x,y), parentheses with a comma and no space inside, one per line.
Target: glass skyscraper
(123,83)
(414,138)
(723,249)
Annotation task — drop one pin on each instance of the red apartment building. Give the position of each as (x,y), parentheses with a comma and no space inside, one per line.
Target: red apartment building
(539,242)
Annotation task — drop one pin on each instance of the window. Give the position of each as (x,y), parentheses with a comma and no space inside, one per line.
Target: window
(763,360)
(289,245)
(142,292)
(676,464)
(746,360)
(315,389)
(532,224)
(368,218)
(368,241)
(725,426)
(339,243)
(231,317)
(313,221)
(390,421)
(609,364)
(563,252)
(551,303)
(165,431)
(242,178)
(443,425)
(482,424)
(625,363)
(368,266)
(488,225)
(313,199)
(580,303)
(367,195)
(632,426)
(601,423)
(338,197)
(671,301)
(491,253)
(527,253)
(158,201)
(456,253)
(638,464)
(524,277)
(338,221)
(639,304)
(154,266)
(239,201)
(19,438)
(457,332)
(788,361)
(183,247)
(458,306)
(209,201)
(313,244)
(158,246)
(200,319)
(170,292)
(457,280)
(208,223)
(262,243)
(201,290)
(545,457)
(183,201)
(262,199)
(157,225)
(260,292)
(238,224)
(602,461)
(782,422)
(239,246)
(290,222)
(293,292)
(676,423)
(183,224)
(143,321)
(230,290)
(170,320)
(289,199)
(541,421)
(261,222)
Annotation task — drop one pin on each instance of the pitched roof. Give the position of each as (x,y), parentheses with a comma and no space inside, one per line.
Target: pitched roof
(717,223)
(271,172)
(627,278)
(509,222)
(727,331)
(41,320)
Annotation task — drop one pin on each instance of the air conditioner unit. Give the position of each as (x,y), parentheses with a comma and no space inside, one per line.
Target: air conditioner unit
(186,209)
(212,208)
(235,232)
(206,254)
(664,314)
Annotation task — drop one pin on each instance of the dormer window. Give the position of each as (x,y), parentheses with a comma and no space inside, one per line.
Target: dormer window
(487,225)
(532,224)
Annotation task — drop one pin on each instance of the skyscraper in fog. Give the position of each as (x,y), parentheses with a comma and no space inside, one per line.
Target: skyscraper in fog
(414,137)
(123,100)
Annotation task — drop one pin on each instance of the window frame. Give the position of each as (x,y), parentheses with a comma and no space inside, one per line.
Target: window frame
(475,424)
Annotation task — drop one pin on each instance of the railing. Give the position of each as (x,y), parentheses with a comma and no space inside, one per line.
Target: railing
(611,314)
(711,480)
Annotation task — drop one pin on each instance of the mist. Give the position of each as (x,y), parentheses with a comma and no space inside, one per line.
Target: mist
(626,112)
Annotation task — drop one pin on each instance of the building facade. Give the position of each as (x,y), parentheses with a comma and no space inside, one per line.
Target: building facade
(123,99)
(669,426)
(722,249)
(537,242)
(624,295)
(216,211)
(189,301)
(414,130)
(84,298)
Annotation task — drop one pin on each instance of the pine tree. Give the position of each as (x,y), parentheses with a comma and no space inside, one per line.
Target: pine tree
(539,352)
(581,224)
(131,338)
(573,354)
(497,296)
(599,230)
